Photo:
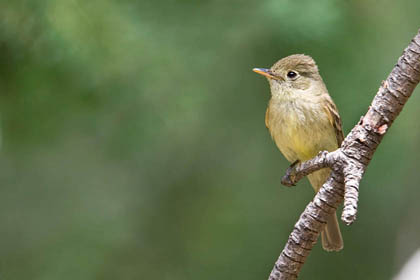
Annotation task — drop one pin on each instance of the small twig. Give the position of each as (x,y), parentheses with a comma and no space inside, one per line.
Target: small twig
(297,171)
(350,170)
(348,164)
(324,159)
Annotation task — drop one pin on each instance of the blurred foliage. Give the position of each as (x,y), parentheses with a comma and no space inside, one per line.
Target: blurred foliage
(133,143)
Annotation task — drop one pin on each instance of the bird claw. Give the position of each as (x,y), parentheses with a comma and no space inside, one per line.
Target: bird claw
(289,179)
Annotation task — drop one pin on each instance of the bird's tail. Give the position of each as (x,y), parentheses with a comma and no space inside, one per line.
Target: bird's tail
(331,235)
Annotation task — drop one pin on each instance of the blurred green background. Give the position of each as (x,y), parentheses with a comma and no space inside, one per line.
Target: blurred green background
(133,143)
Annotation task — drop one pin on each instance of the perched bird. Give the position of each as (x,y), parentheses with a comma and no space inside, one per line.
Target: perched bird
(303,120)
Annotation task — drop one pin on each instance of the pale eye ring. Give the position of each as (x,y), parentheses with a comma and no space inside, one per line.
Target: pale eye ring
(292,75)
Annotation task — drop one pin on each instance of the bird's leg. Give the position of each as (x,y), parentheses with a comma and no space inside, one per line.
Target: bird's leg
(289,178)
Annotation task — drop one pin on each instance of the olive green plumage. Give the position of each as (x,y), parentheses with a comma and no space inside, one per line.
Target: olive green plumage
(303,120)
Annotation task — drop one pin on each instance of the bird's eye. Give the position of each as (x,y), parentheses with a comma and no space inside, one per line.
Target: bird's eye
(291,74)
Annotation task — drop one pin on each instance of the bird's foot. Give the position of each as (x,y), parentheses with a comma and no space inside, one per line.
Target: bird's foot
(289,179)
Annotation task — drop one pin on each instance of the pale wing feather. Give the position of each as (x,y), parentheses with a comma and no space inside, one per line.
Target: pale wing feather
(267,118)
(335,120)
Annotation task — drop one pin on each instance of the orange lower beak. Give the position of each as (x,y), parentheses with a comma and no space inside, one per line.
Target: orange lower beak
(264,72)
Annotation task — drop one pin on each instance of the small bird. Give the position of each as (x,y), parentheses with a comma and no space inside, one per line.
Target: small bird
(303,120)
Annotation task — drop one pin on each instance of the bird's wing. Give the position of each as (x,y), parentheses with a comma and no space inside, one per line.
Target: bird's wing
(335,120)
(266,117)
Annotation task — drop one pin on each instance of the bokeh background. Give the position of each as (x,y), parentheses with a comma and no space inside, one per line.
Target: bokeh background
(133,143)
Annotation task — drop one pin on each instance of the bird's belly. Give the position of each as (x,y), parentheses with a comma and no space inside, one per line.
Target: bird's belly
(296,144)
(301,137)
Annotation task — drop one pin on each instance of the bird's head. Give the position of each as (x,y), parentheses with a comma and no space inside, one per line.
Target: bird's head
(293,73)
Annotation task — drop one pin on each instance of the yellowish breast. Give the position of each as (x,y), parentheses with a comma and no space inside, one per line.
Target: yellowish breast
(300,128)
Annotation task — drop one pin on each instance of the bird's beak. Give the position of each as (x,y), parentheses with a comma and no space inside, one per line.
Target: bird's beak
(264,72)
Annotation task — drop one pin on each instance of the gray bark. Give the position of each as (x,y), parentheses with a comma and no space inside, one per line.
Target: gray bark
(348,164)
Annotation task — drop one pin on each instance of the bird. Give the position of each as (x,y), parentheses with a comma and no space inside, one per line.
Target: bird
(303,120)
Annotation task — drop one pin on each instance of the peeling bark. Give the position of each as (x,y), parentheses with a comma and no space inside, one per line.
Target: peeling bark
(348,164)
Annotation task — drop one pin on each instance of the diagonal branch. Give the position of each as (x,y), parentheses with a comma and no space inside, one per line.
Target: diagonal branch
(348,164)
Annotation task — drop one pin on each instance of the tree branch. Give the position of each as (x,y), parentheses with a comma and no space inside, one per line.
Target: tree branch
(348,164)
(296,172)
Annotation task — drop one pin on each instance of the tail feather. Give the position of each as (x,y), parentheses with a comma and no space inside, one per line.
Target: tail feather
(331,236)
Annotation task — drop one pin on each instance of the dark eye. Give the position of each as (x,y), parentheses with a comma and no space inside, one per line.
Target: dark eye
(291,74)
